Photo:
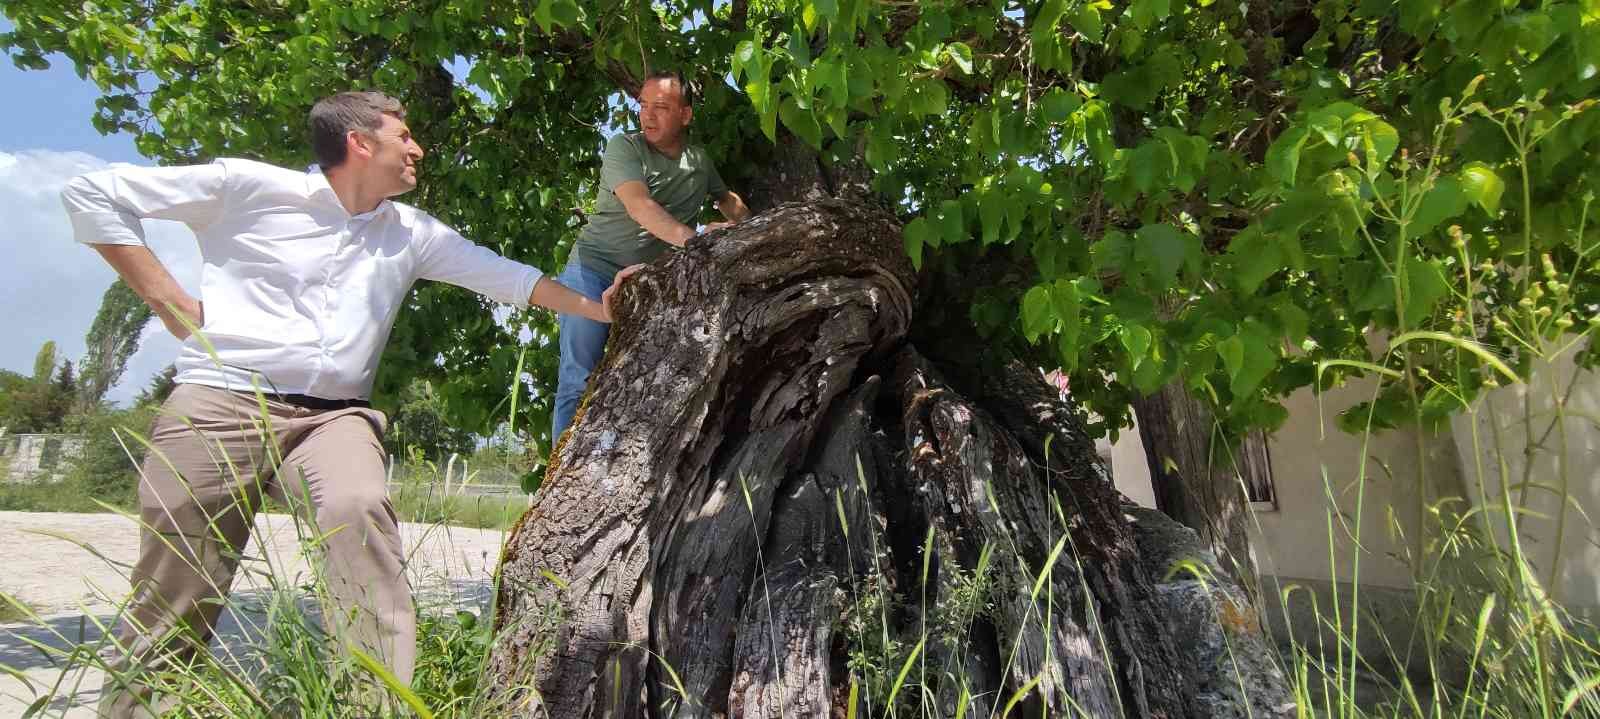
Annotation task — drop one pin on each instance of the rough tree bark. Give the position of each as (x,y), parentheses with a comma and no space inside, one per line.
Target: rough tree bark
(761,452)
(1195,479)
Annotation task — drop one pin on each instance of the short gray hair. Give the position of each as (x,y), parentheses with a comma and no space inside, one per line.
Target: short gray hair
(336,115)
(686,90)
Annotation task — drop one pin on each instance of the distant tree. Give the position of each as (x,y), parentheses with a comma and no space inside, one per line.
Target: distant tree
(11,384)
(66,380)
(106,468)
(421,422)
(44,362)
(161,385)
(113,338)
(60,397)
(40,403)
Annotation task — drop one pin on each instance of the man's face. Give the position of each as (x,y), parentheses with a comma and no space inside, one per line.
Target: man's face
(662,112)
(391,157)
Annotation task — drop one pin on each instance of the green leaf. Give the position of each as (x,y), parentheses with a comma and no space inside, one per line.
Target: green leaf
(801,122)
(961,54)
(799,47)
(1068,310)
(1447,199)
(991,215)
(1044,24)
(1148,166)
(952,227)
(1300,208)
(1251,359)
(1132,305)
(1057,105)
(543,16)
(1160,250)
(1283,157)
(1049,253)
(1136,340)
(1425,285)
(1087,21)
(1145,13)
(1383,140)
(1037,315)
(930,97)
(1255,257)
(1112,253)
(567,13)
(828,75)
(1097,132)
(882,149)
(1148,377)
(1187,157)
(1294,321)
(1483,186)
(916,235)
(743,53)
(1232,352)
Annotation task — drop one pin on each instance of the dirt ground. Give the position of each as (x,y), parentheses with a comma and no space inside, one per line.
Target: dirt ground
(71,571)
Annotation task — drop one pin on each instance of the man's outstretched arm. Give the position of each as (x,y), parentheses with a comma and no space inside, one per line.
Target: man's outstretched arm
(555,296)
(650,215)
(446,256)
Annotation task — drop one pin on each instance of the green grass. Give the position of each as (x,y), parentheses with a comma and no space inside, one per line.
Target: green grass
(64,495)
(416,501)
(483,512)
(10,613)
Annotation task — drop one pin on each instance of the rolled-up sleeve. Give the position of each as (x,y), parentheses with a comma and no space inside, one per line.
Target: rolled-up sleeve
(446,256)
(106,206)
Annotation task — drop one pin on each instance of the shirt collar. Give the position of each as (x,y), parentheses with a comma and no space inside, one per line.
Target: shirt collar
(317,184)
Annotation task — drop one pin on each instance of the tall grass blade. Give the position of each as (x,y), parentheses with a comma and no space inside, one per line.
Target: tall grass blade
(392,682)
(1021,693)
(905,669)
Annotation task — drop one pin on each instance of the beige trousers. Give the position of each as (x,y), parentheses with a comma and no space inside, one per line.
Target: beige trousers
(213,455)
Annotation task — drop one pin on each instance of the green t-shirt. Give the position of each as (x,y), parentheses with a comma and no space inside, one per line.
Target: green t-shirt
(612,240)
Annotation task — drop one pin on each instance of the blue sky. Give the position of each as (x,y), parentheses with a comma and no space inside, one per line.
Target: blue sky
(50,287)
(61,107)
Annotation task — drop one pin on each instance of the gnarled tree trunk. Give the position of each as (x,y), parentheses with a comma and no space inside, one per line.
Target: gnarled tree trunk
(770,498)
(1199,481)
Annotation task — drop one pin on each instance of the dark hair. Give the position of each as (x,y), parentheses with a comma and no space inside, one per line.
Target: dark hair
(686,89)
(335,116)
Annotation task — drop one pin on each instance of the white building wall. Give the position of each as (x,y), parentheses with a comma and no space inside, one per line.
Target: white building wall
(1494,436)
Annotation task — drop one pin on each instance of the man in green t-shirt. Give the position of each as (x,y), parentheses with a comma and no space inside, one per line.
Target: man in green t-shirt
(653,184)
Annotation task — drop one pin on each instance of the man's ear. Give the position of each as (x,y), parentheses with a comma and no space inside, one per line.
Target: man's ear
(356,143)
(688,115)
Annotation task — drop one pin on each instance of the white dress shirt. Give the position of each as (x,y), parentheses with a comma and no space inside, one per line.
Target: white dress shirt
(299,294)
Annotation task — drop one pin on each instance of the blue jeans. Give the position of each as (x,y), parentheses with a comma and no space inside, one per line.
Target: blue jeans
(583,343)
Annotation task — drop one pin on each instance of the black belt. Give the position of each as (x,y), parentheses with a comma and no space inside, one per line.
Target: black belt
(306,401)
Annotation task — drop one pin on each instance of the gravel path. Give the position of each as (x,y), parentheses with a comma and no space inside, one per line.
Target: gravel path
(71,570)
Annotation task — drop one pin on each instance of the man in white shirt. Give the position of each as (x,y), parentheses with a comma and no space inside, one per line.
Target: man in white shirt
(303,274)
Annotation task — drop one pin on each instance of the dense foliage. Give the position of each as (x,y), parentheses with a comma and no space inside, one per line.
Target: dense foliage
(1221,194)
(40,403)
(419,429)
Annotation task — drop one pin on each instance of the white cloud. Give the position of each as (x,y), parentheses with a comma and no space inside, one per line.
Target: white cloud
(50,286)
